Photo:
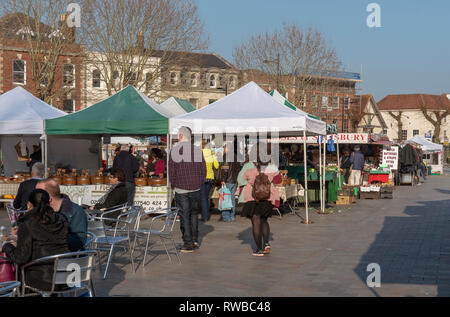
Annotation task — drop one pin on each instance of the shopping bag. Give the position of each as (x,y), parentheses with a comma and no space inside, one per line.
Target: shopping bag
(225,199)
(6,269)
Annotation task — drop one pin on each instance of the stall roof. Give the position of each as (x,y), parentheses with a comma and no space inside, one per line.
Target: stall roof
(426,145)
(23,113)
(247,110)
(175,107)
(128,112)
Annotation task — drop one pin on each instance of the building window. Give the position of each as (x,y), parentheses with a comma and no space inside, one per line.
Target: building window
(19,76)
(45,73)
(415,132)
(302,101)
(96,78)
(404,135)
(148,81)
(335,102)
(68,75)
(132,78)
(115,79)
(385,132)
(313,101)
(212,100)
(173,78)
(193,102)
(193,80)
(68,105)
(346,103)
(212,81)
(345,126)
(231,83)
(324,101)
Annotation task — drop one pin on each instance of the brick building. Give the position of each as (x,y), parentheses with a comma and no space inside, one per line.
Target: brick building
(330,97)
(22,66)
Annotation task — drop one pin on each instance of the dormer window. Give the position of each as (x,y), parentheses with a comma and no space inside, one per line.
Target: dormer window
(212,81)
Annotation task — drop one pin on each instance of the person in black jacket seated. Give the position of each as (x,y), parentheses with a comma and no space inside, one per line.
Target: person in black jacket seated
(74,214)
(117,195)
(43,233)
(26,187)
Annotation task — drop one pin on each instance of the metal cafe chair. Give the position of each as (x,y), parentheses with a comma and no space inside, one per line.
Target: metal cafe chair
(65,267)
(9,289)
(164,233)
(107,238)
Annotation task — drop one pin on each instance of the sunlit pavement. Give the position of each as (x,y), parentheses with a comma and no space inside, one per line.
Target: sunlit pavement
(408,237)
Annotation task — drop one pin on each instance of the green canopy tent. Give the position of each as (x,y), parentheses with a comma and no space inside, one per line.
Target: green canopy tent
(128,112)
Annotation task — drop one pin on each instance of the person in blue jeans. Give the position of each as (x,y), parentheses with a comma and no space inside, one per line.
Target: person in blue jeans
(228,174)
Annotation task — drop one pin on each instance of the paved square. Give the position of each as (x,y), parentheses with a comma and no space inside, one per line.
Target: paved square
(408,236)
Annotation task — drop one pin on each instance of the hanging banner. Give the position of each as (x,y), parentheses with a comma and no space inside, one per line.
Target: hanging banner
(342,138)
(390,158)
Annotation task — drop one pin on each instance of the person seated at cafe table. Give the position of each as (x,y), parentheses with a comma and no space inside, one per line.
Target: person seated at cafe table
(116,195)
(72,212)
(43,233)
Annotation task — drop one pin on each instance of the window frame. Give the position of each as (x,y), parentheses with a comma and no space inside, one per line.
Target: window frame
(73,105)
(73,75)
(24,72)
(94,78)
(404,135)
(210,80)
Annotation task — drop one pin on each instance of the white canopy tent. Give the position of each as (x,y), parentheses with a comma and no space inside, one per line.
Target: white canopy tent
(22,117)
(250,110)
(434,153)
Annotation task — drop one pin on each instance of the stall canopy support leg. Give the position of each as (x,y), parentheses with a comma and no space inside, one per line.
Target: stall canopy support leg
(306,221)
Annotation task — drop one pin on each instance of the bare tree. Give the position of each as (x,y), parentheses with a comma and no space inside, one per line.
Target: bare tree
(290,59)
(398,118)
(40,27)
(132,42)
(441,111)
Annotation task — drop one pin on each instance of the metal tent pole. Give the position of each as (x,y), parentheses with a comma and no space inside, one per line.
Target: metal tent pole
(324,173)
(338,164)
(320,170)
(307,221)
(169,191)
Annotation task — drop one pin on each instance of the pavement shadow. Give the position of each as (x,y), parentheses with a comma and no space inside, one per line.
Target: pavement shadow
(412,250)
(443,191)
(203,230)
(116,273)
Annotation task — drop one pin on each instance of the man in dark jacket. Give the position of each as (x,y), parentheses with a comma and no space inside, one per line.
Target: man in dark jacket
(74,214)
(26,187)
(130,165)
(35,157)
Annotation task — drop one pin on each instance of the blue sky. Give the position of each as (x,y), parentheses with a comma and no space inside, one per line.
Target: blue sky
(410,53)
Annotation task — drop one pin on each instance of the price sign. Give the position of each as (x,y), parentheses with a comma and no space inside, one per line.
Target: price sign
(390,157)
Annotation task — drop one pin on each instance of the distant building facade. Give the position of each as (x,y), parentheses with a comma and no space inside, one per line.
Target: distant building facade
(404,116)
(17,63)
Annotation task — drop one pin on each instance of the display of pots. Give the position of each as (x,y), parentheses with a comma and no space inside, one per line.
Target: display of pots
(97,180)
(69,180)
(83,180)
(140,181)
(58,179)
(157,182)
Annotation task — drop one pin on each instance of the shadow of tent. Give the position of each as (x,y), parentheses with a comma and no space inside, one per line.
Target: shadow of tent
(413,250)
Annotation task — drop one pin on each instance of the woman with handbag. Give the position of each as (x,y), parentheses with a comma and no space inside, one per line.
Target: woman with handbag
(260,197)
(43,233)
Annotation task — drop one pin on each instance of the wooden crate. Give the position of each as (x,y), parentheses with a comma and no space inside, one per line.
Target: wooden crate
(386,196)
(369,195)
(386,189)
(345,200)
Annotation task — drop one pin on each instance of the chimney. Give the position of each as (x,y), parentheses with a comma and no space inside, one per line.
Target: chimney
(140,42)
(68,32)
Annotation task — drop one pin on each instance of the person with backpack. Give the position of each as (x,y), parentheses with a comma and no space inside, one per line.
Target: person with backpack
(260,197)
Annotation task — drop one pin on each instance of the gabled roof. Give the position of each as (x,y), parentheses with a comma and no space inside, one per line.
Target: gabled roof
(10,25)
(202,60)
(365,99)
(414,102)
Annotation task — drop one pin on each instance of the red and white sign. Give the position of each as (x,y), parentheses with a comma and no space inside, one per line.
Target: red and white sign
(341,138)
(390,158)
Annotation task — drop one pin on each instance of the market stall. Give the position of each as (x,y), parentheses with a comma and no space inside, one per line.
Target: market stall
(433,154)
(247,112)
(127,113)
(22,118)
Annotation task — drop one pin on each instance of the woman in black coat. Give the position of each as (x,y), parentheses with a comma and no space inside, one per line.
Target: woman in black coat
(42,233)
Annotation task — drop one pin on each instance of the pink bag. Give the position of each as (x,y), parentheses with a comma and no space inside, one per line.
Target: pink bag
(6,269)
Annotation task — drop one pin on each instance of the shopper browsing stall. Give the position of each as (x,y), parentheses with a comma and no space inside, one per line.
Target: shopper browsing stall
(357,166)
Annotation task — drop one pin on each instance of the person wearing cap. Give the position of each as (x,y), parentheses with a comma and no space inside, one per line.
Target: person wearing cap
(357,166)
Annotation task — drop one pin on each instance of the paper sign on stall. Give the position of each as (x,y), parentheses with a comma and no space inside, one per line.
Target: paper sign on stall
(390,158)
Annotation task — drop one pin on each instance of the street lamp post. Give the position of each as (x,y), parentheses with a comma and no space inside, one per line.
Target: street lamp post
(266,61)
